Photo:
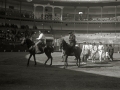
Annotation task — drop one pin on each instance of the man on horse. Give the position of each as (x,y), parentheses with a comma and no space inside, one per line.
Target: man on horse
(41,42)
(72,41)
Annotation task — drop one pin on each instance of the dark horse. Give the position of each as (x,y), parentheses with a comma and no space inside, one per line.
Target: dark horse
(32,50)
(76,52)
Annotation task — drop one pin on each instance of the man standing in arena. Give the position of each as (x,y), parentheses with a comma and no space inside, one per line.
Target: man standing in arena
(107,51)
(72,41)
(41,42)
(90,49)
(85,52)
(100,50)
(111,51)
(94,51)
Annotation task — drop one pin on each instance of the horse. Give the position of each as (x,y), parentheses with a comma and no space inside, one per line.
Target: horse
(32,47)
(76,52)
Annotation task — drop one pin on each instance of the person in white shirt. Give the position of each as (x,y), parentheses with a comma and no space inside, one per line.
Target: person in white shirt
(100,50)
(90,49)
(41,41)
(85,52)
(94,51)
(41,38)
(107,52)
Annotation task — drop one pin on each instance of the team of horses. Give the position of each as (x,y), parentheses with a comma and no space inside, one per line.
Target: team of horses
(49,49)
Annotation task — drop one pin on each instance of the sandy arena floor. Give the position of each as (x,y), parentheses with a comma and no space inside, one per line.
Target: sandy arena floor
(15,75)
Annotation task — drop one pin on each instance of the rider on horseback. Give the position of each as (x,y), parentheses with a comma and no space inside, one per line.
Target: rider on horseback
(41,42)
(72,41)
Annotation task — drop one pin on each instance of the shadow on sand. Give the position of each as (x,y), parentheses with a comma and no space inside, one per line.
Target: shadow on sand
(15,75)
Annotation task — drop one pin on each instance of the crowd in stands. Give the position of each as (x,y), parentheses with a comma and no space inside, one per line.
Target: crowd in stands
(66,17)
(8,25)
(13,33)
(16,13)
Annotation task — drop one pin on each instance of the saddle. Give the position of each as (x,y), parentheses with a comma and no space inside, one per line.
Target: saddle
(39,49)
(71,51)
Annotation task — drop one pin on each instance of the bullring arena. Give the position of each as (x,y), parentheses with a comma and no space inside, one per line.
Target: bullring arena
(15,75)
(91,21)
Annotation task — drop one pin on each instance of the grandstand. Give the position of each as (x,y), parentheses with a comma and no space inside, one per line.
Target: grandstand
(95,20)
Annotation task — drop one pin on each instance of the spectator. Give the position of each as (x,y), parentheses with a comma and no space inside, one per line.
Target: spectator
(85,52)
(107,51)
(111,51)
(100,50)
(94,51)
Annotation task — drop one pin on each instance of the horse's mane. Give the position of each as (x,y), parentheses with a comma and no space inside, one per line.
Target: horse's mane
(65,44)
(29,41)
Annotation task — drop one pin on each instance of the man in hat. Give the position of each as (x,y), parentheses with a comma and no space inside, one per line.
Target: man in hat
(111,52)
(72,41)
(107,51)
